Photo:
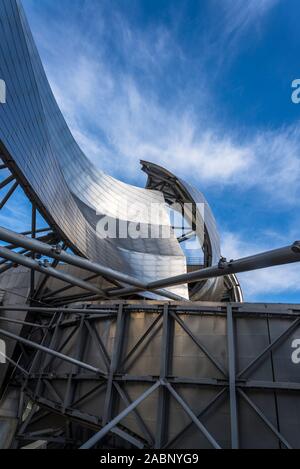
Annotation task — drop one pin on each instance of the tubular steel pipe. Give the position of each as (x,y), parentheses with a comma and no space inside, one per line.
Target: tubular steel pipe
(52,251)
(287,255)
(23,323)
(35,309)
(59,355)
(35,265)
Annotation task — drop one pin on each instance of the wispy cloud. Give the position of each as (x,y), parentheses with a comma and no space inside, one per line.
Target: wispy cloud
(131,93)
(114,109)
(256,285)
(239,15)
(235,17)
(117,123)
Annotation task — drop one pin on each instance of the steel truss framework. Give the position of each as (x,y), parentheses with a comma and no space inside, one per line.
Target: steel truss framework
(57,384)
(30,366)
(49,327)
(194,375)
(36,351)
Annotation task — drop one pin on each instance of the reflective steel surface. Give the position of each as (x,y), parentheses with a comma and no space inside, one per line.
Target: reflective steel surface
(72,193)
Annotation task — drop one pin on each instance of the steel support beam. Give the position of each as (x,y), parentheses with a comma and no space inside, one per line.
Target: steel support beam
(57,292)
(79,352)
(286,255)
(50,251)
(112,424)
(199,344)
(33,236)
(61,356)
(202,413)
(7,181)
(145,431)
(115,361)
(270,347)
(14,363)
(162,410)
(141,340)
(8,195)
(265,419)
(193,417)
(232,379)
(47,270)
(42,309)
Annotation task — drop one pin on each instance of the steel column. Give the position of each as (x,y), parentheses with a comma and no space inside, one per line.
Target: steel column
(162,411)
(115,360)
(232,379)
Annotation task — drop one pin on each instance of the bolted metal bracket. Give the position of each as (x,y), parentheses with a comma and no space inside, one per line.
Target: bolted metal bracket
(222,263)
(296,247)
(57,249)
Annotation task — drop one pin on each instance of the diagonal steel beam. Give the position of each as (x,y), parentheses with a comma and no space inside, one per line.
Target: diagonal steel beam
(193,417)
(265,419)
(199,344)
(7,181)
(61,356)
(23,323)
(114,422)
(286,255)
(15,364)
(270,347)
(141,340)
(68,287)
(52,251)
(96,337)
(37,266)
(124,396)
(202,413)
(8,195)
(43,281)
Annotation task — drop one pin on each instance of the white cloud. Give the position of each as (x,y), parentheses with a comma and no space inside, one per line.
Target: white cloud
(110,98)
(129,124)
(239,15)
(256,285)
(118,117)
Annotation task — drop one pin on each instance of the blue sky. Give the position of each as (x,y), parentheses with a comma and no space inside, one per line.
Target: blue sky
(201,87)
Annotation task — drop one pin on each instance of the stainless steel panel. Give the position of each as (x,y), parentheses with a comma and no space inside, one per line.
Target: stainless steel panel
(36,136)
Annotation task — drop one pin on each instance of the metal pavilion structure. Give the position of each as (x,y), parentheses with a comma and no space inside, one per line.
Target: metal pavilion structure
(120,343)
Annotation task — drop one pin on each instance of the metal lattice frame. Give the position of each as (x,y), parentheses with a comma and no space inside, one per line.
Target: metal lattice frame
(234,385)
